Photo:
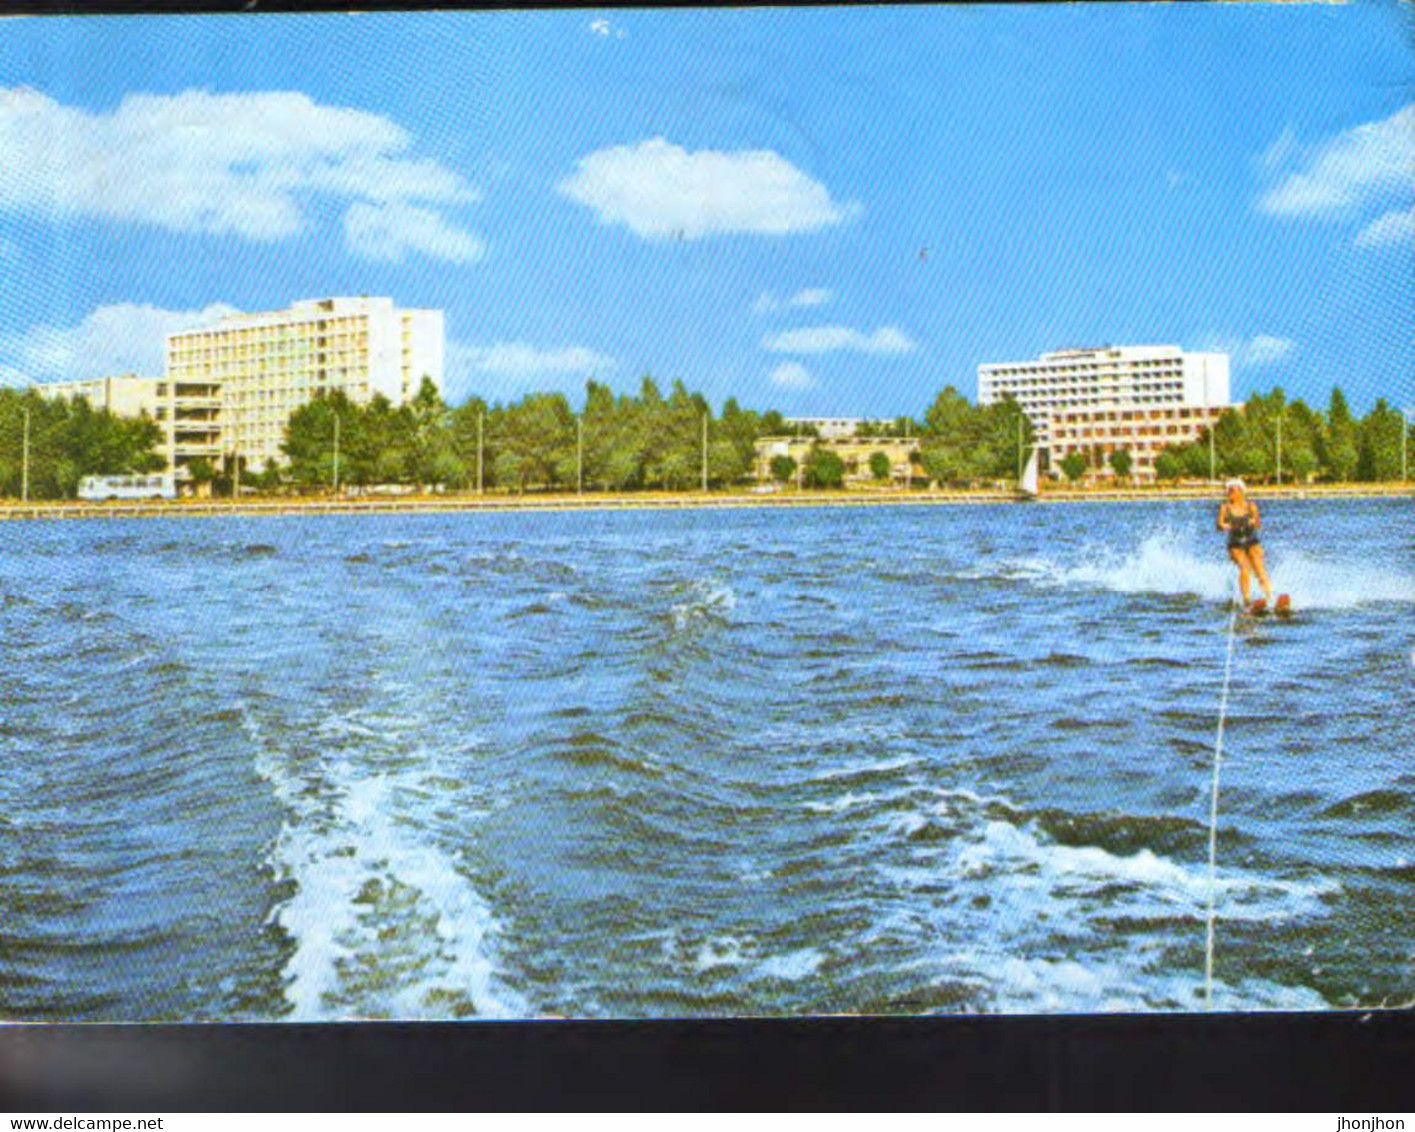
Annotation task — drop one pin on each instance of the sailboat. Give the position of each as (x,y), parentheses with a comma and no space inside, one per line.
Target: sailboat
(1027,485)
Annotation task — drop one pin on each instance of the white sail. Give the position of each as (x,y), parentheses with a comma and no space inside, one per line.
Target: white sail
(1029,475)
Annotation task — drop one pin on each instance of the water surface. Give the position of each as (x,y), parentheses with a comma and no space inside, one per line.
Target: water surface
(595,764)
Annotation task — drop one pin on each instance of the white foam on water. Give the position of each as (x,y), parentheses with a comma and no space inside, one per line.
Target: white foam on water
(1024,863)
(846,802)
(720,951)
(1011,983)
(383,921)
(1163,564)
(706,600)
(850,770)
(791,965)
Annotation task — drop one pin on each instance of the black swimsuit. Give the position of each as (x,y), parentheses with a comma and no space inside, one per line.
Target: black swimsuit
(1241,532)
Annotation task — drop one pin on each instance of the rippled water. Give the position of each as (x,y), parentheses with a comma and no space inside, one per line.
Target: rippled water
(716,762)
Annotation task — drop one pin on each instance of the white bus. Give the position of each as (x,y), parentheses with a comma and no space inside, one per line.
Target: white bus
(162,485)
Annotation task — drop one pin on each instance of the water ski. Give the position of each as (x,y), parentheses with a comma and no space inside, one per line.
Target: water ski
(1281,608)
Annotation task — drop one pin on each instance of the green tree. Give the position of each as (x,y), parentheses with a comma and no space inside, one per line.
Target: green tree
(783,468)
(952,442)
(309,441)
(1121,462)
(536,442)
(1378,444)
(824,468)
(469,430)
(430,447)
(69,439)
(1340,452)
(1073,466)
(1169,464)
(880,466)
(1301,437)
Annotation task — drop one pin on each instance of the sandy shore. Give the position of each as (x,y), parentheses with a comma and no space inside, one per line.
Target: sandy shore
(411,504)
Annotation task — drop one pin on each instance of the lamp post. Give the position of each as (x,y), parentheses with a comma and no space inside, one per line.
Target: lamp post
(481,420)
(1019,449)
(1212,420)
(24,474)
(1279,448)
(1404,442)
(336,452)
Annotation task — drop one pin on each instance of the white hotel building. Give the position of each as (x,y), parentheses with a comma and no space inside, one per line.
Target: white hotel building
(230,388)
(1097,401)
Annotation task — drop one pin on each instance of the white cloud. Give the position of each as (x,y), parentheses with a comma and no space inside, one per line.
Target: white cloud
(791,375)
(829,339)
(660,191)
(518,359)
(1265,350)
(122,338)
(600,27)
(1395,227)
(1252,353)
(387,231)
(1347,170)
(244,164)
(1284,150)
(767,303)
(506,368)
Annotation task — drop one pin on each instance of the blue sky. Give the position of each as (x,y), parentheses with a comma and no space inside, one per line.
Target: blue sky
(827,211)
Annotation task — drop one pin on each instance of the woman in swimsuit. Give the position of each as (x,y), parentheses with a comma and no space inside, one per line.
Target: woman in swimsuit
(1238,515)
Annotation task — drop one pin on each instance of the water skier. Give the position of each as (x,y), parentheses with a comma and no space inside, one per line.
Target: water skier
(1238,515)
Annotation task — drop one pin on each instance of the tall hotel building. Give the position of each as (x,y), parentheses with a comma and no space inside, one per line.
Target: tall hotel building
(1097,401)
(230,388)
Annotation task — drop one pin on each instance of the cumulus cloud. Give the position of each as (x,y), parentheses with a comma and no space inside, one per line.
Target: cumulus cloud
(791,375)
(122,338)
(660,191)
(767,303)
(605,30)
(388,231)
(830,339)
(1331,177)
(243,164)
(1395,227)
(1252,353)
(520,366)
(519,359)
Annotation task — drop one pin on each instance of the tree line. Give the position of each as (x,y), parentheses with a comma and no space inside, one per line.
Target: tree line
(653,441)
(1271,437)
(647,441)
(69,439)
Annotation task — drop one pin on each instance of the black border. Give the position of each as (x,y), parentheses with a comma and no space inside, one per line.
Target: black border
(1352,1063)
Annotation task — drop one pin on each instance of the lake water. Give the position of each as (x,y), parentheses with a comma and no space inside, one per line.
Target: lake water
(931,759)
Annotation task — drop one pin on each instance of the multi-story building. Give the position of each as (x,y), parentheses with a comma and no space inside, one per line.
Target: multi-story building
(1143,432)
(126,395)
(231,387)
(1117,396)
(827,428)
(854,452)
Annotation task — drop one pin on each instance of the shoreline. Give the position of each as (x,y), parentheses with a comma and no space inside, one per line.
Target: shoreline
(647,501)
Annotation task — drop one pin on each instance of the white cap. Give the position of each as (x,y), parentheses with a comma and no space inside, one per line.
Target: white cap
(1231,484)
